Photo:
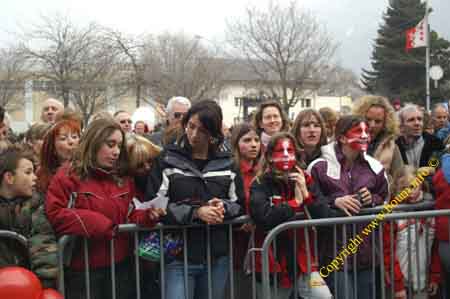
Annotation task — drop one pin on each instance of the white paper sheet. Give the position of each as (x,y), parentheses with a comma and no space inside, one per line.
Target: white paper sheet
(157,202)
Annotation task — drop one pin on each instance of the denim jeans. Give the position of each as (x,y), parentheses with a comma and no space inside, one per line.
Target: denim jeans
(197,279)
(364,284)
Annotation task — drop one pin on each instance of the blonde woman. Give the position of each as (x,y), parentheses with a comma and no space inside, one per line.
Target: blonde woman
(383,129)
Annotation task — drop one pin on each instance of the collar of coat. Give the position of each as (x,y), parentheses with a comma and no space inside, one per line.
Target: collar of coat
(334,166)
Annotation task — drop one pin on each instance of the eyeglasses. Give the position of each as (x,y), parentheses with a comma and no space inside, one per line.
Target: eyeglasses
(123,121)
(178,114)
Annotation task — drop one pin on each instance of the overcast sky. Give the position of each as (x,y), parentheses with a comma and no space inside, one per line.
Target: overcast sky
(353,23)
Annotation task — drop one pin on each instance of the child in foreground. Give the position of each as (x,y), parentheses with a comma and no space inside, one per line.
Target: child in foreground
(410,273)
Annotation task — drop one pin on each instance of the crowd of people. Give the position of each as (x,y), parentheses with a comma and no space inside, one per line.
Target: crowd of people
(63,177)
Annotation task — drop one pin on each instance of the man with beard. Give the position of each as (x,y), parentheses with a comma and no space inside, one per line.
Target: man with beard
(415,145)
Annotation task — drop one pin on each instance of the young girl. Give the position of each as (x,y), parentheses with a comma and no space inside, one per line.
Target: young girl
(401,229)
(196,181)
(279,191)
(104,193)
(246,147)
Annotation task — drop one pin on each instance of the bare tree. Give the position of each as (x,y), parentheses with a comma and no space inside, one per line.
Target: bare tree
(181,65)
(285,45)
(13,68)
(81,62)
(98,78)
(131,49)
(58,49)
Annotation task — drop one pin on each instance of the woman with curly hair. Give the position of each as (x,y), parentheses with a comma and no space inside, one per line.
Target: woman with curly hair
(383,129)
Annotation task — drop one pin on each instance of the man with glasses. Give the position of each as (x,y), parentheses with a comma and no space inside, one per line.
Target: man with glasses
(176,108)
(123,118)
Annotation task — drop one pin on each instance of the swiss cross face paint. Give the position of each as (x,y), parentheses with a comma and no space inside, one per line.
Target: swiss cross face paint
(358,137)
(283,155)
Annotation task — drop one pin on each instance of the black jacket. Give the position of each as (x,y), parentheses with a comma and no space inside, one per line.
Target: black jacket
(432,147)
(176,178)
(268,215)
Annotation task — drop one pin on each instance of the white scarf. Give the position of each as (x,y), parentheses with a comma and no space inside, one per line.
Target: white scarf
(265,138)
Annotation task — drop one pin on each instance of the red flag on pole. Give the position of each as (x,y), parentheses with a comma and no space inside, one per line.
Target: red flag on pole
(416,37)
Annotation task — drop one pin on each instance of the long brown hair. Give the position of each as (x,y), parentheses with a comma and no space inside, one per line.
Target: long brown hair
(49,161)
(239,131)
(306,115)
(94,137)
(266,162)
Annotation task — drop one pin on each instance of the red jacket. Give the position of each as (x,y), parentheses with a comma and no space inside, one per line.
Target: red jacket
(101,205)
(246,172)
(442,191)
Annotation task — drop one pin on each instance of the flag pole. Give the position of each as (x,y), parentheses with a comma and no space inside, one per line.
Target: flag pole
(427,58)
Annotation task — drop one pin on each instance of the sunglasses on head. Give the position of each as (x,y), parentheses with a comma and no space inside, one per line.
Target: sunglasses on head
(126,121)
(178,114)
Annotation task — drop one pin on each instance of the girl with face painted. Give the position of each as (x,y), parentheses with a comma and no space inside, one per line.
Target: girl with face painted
(350,179)
(383,127)
(280,190)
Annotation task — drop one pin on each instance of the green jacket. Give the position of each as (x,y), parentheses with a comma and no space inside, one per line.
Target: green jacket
(15,215)
(27,217)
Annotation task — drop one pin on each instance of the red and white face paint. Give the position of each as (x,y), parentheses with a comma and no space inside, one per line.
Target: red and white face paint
(283,155)
(358,137)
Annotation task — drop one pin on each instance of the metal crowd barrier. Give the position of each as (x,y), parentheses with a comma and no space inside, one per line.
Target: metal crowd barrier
(13,235)
(270,238)
(134,229)
(343,224)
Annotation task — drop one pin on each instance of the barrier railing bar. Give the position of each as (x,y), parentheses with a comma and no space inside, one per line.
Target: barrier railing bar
(344,237)
(381,257)
(113,269)
(230,250)
(208,260)
(295,265)
(136,261)
(416,223)
(410,274)
(391,260)
(185,262)
(86,269)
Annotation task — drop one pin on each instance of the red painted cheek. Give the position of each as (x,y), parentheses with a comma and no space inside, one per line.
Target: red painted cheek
(284,163)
